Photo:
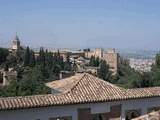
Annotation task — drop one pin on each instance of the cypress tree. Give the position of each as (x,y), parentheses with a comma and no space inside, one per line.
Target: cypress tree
(158,60)
(67,64)
(96,62)
(27,57)
(103,72)
(92,61)
(41,58)
(3,55)
(32,58)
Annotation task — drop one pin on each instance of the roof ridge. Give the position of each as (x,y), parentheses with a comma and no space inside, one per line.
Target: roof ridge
(84,74)
(112,85)
(28,96)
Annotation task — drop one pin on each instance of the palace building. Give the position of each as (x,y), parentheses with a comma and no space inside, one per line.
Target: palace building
(82,97)
(112,59)
(110,56)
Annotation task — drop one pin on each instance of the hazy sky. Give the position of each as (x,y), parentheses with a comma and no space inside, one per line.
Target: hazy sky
(81,23)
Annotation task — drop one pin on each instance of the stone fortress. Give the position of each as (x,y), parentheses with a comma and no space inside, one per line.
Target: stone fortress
(110,56)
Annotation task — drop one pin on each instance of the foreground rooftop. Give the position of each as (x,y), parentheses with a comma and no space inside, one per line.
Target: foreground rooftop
(150,116)
(78,89)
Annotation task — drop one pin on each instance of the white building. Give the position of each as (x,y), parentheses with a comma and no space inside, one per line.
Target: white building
(15,44)
(82,97)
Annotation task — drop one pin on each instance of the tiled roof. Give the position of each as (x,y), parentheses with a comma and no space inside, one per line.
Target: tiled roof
(65,84)
(143,92)
(81,88)
(150,116)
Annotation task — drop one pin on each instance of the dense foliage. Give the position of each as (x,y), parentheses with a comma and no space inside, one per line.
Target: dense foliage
(33,72)
(94,61)
(156,71)
(128,77)
(103,71)
(3,55)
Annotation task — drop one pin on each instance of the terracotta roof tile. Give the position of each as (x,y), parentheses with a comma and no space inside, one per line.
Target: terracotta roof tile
(81,88)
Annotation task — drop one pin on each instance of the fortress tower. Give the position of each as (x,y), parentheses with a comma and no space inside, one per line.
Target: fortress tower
(111,57)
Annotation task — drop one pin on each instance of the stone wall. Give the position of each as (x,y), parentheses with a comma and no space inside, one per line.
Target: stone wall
(111,57)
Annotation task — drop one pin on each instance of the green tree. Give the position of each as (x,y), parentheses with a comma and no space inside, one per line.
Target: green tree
(67,64)
(3,55)
(49,59)
(58,60)
(94,61)
(146,80)
(87,50)
(48,64)
(103,71)
(31,77)
(41,57)
(10,90)
(126,76)
(157,63)
(11,60)
(97,62)
(27,57)
(32,60)
(156,71)
(41,61)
